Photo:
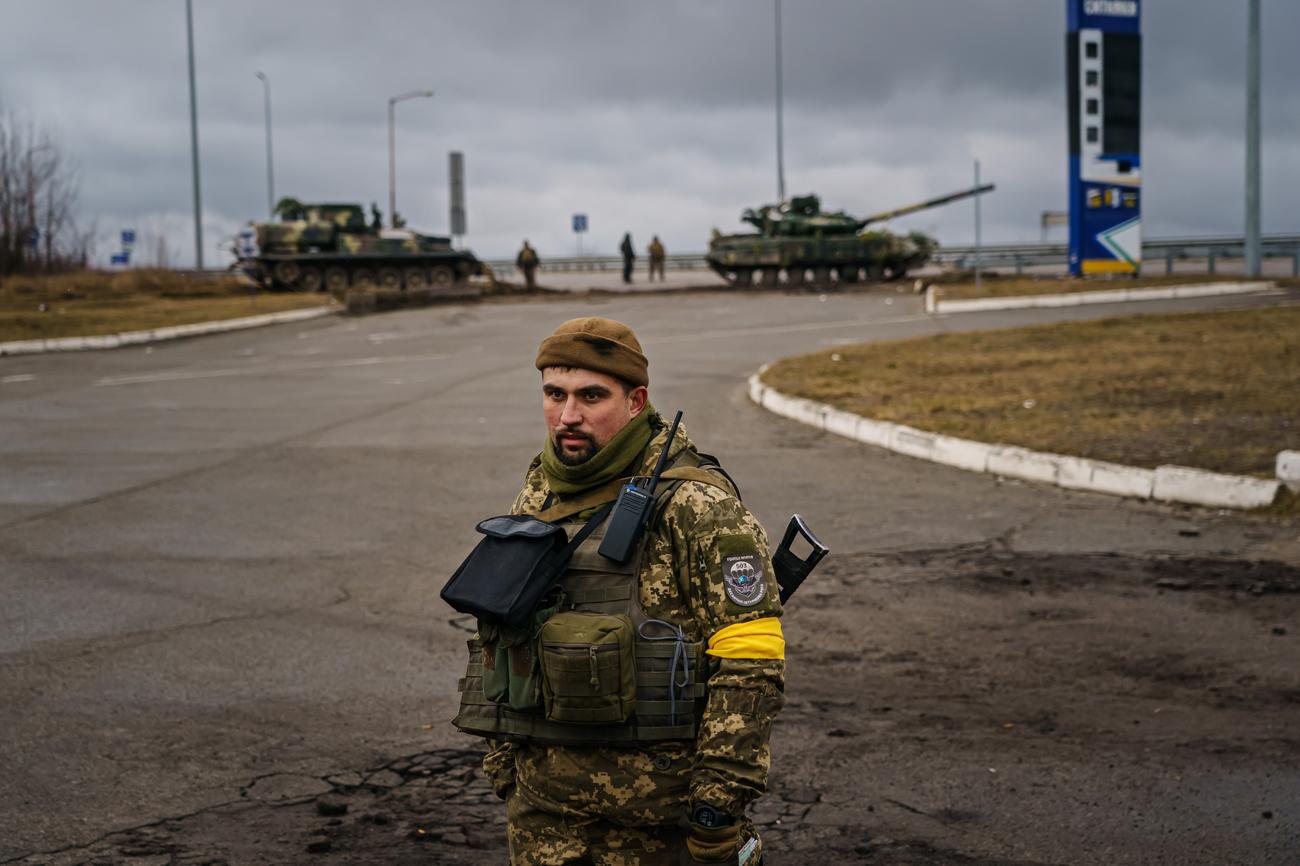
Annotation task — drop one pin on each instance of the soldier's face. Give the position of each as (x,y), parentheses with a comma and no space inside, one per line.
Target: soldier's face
(585,409)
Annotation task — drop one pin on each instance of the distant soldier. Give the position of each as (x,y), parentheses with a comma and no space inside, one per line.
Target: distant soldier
(527,262)
(376,217)
(629,256)
(657,254)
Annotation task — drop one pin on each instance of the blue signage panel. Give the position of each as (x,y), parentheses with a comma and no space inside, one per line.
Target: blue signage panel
(122,258)
(579,222)
(1104,89)
(128,238)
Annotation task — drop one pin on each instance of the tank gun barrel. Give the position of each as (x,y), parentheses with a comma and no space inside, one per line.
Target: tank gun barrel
(929,203)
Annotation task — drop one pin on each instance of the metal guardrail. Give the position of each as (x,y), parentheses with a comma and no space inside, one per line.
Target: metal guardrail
(1170,250)
(1018,256)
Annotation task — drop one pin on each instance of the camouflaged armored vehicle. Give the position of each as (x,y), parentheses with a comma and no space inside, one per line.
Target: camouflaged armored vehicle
(806,244)
(330,247)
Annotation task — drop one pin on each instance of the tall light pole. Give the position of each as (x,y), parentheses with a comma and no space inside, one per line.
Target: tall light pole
(392,149)
(780,133)
(978,282)
(270,161)
(194,143)
(1252,141)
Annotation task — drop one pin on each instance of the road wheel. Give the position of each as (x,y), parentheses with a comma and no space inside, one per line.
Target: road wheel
(285,273)
(310,280)
(390,279)
(442,277)
(848,273)
(336,280)
(414,279)
(744,278)
(363,278)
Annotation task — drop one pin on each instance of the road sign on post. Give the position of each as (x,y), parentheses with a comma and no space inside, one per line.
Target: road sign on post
(128,238)
(579,226)
(456,173)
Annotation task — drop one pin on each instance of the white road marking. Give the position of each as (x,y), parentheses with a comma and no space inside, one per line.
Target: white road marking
(16,378)
(186,375)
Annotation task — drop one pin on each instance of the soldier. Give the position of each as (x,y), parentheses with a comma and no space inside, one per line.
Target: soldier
(629,256)
(629,726)
(527,262)
(657,254)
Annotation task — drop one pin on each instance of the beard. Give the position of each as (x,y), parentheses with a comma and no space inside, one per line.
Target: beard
(575,458)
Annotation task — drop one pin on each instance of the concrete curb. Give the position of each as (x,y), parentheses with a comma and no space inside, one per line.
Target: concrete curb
(175,332)
(1165,483)
(1110,296)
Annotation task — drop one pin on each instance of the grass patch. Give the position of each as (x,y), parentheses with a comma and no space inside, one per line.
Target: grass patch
(961,285)
(90,303)
(1216,390)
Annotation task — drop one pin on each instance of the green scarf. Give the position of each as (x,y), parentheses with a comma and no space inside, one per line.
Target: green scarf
(606,464)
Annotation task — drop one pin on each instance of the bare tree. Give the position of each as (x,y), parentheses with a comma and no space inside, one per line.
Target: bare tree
(38,199)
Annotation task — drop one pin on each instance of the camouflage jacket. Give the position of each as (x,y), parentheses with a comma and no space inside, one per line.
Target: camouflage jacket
(681,581)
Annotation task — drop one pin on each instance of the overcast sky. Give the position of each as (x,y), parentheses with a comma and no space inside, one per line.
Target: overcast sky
(651,117)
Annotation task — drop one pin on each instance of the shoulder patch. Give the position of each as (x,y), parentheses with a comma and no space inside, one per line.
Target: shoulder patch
(743,577)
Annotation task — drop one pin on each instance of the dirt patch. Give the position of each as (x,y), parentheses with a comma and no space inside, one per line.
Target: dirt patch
(1211,390)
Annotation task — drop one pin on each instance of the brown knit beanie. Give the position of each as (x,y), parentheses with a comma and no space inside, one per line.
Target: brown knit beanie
(594,343)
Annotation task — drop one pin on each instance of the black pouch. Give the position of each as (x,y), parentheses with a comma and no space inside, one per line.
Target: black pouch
(506,575)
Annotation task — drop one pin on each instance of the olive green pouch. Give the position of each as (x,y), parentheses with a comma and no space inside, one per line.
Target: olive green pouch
(588,667)
(511,674)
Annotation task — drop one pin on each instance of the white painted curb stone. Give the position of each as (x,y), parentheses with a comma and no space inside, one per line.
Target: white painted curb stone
(1107,296)
(1166,483)
(1181,484)
(1288,469)
(132,338)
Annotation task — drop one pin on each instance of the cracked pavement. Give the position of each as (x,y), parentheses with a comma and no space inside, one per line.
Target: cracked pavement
(222,643)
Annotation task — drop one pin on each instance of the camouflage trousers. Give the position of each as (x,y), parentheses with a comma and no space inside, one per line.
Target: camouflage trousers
(539,838)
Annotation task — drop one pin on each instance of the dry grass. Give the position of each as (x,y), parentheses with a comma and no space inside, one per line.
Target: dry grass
(961,285)
(89,303)
(1217,391)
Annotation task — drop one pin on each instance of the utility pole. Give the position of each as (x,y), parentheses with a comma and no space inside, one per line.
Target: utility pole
(194,143)
(1252,142)
(780,131)
(270,162)
(392,149)
(977,230)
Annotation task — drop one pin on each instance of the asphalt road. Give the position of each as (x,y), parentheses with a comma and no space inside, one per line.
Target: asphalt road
(220,558)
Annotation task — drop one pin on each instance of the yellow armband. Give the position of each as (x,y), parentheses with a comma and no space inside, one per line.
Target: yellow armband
(755,639)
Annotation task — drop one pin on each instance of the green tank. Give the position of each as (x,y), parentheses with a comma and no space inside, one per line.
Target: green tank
(331,247)
(798,239)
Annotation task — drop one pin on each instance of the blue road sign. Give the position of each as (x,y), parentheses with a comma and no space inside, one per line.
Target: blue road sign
(122,258)
(128,238)
(579,222)
(1104,90)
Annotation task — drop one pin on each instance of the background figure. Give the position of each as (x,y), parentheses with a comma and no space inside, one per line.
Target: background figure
(657,254)
(527,262)
(629,256)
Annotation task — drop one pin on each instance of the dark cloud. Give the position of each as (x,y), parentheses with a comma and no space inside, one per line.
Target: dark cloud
(653,117)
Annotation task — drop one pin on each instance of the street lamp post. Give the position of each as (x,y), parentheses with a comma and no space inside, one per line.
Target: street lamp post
(392,149)
(270,162)
(194,142)
(1252,140)
(780,132)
